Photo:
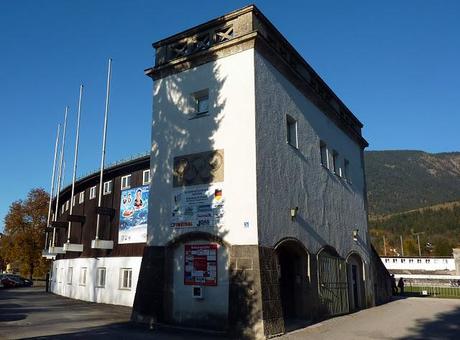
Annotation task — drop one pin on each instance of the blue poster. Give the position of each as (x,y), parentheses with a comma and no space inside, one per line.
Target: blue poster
(133,215)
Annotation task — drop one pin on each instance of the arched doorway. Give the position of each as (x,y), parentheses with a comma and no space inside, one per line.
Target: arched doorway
(294,281)
(332,282)
(356,290)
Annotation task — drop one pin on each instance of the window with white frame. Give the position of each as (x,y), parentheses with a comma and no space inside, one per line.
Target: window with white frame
(81,197)
(92,192)
(62,208)
(83,271)
(126,275)
(69,275)
(146,177)
(335,162)
(291,131)
(74,200)
(323,153)
(346,169)
(100,277)
(126,182)
(67,205)
(201,102)
(107,187)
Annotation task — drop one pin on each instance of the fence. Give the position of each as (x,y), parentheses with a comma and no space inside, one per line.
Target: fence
(441,286)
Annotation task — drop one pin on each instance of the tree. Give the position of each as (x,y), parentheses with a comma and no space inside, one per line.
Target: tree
(23,238)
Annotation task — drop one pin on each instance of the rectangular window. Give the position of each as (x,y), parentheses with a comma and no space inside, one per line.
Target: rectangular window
(419,261)
(346,169)
(61,275)
(67,205)
(92,192)
(291,130)
(107,188)
(81,197)
(69,275)
(323,152)
(146,177)
(100,277)
(335,162)
(126,275)
(387,260)
(62,208)
(83,276)
(74,200)
(201,102)
(126,182)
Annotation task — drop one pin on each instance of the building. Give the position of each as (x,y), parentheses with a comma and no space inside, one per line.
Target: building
(420,265)
(102,275)
(257,212)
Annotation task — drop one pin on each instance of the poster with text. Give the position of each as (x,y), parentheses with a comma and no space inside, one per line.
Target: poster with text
(133,215)
(198,206)
(200,264)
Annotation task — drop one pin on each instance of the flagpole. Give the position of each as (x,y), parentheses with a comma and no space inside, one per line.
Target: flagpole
(106,112)
(52,182)
(61,160)
(77,135)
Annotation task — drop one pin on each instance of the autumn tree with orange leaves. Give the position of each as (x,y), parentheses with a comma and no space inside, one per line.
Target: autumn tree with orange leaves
(24,238)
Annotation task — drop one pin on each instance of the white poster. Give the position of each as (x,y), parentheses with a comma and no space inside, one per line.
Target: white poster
(198,206)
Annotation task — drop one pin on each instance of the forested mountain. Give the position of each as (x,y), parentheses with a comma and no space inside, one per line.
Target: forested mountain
(409,192)
(403,180)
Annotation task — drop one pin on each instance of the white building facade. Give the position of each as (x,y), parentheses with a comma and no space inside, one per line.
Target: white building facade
(257,210)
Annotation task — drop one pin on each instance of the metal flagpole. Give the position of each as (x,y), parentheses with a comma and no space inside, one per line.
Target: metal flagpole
(75,161)
(106,112)
(61,160)
(52,183)
(402,245)
(384,246)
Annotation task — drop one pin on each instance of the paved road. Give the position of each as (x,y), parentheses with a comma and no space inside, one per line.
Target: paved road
(411,318)
(31,313)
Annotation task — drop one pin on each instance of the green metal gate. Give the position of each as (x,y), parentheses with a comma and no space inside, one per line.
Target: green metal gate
(333,284)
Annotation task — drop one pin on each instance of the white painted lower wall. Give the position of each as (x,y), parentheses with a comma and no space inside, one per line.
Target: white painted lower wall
(110,293)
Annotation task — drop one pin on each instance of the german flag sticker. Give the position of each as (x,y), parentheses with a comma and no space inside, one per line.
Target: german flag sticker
(218,194)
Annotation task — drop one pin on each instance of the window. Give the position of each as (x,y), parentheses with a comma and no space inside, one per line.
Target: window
(411,260)
(427,260)
(107,187)
(395,260)
(387,260)
(62,208)
(335,163)
(81,199)
(126,182)
(346,169)
(419,261)
(323,152)
(100,277)
(69,275)
(83,276)
(403,260)
(126,275)
(201,102)
(291,129)
(67,205)
(61,275)
(74,200)
(146,177)
(92,193)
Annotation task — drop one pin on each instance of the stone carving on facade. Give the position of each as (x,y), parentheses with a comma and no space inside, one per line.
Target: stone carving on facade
(199,168)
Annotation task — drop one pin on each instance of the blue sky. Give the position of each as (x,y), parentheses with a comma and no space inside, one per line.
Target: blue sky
(394,63)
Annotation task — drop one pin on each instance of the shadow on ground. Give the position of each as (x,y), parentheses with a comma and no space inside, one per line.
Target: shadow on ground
(441,326)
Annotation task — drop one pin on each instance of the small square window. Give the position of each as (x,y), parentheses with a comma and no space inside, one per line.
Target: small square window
(126,275)
(92,192)
(146,177)
(107,188)
(81,197)
(83,271)
(126,182)
(291,130)
(100,277)
(200,102)
(69,275)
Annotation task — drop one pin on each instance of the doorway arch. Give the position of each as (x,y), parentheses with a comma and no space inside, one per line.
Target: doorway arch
(356,287)
(294,279)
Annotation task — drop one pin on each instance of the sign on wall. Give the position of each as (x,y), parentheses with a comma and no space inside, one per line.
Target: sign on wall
(198,206)
(200,264)
(198,168)
(133,215)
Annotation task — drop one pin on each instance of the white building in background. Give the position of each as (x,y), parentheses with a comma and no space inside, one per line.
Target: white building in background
(257,210)
(419,264)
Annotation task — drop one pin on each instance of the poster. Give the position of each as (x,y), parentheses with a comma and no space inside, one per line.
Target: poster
(133,215)
(198,206)
(200,264)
